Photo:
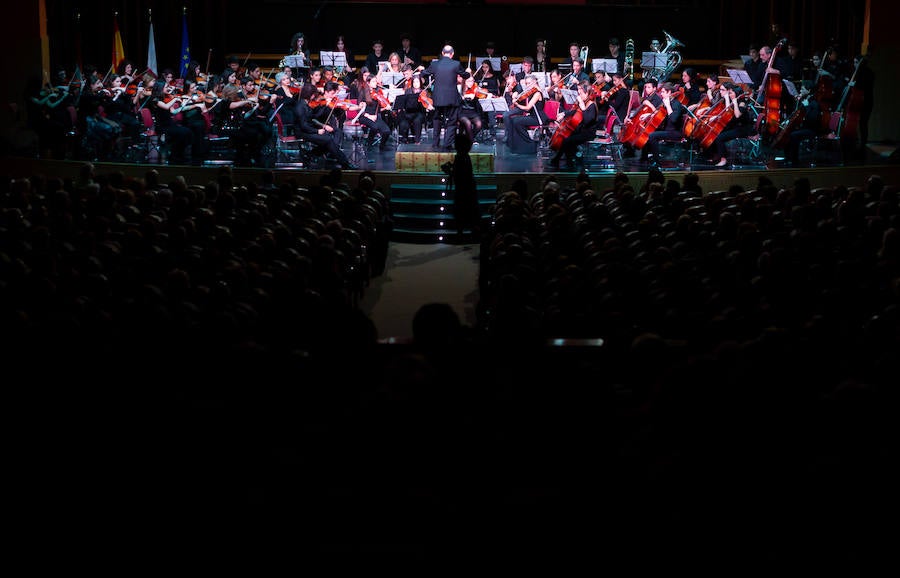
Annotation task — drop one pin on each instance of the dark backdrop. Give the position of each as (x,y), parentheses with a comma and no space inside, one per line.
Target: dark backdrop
(710,30)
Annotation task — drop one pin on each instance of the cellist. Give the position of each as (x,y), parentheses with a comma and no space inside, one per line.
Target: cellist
(582,131)
(740,125)
(671,129)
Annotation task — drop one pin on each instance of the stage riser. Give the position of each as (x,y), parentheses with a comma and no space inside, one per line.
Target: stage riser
(423,213)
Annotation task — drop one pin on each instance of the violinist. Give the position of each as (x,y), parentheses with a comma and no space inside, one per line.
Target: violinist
(161,105)
(487,79)
(287,98)
(554,90)
(617,100)
(169,86)
(334,110)
(328,76)
(99,130)
(470,112)
(247,129)
(518,86)
(531,105)
(670,129)
(126,69)
(192,106)
(315,79)
(584,129)
(120,108)
(360,85)
(375,103)
(307,128)
(411,112)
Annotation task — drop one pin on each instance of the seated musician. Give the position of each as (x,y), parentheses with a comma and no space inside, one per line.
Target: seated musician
(375,103)
(740,126)
(710,97)
(161,104)
(531,104)
(323,135)
(333,111)
(514,89)
(254,129)
(554,90)
(578,74)
(689,81)
(617,99)
(811,126)
(193,111)
(583,132)
(287,93)
(411,112)
(670,128)
(470,112)
(487,79)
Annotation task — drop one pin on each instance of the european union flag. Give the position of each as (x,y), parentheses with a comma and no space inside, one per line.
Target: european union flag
(185,46)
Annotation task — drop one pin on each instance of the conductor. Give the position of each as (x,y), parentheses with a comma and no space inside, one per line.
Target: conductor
(447,99)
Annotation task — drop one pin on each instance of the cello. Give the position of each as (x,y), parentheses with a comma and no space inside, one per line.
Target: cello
(566,128)
(656,119)
(825,90)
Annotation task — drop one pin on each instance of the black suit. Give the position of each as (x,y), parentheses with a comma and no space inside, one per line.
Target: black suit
(446,97)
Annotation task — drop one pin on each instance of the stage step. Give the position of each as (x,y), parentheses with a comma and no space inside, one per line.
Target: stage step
(423,212)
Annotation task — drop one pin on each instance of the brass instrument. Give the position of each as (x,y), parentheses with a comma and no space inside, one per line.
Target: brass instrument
(674,59)
(629,59)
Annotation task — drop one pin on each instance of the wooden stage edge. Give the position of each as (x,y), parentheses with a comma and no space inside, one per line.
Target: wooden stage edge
(710,180)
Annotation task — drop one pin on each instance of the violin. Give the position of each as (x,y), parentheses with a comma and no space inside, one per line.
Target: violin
(265,83)
(381,98)
(425,100)
(527,94)
(609,93)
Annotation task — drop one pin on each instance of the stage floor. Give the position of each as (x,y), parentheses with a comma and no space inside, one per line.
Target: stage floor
(608,157)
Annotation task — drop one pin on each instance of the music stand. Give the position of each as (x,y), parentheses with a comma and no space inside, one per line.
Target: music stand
(570,96)
(495,62)
(739,76)
(295,61)
(391,79)
(496,104)
(608,65)
(654,60)
(383,66)
(393,93)
(515,68)
(333,59)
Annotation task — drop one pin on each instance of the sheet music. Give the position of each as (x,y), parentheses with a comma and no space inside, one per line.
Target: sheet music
(497,104)
(393,93)
(384,65)
(515,68)
(570,96)
(739,76)
(609,65)
(295,61)
(391,79)
(335,59)
(495,62)
(651,60)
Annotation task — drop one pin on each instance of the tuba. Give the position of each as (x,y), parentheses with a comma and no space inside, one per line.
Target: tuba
(629,59)
(673,58)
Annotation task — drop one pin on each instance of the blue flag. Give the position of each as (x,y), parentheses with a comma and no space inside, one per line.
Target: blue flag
(185,46)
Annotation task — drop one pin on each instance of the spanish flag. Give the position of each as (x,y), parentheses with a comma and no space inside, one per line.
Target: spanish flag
(118,52)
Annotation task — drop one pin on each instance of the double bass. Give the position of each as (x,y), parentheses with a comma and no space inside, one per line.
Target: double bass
(772,87)
(852,99)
